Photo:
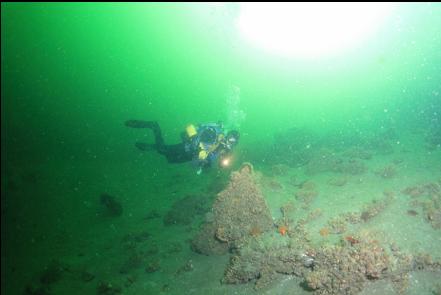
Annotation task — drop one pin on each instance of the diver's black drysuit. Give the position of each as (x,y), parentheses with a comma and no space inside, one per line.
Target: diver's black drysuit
(175,153)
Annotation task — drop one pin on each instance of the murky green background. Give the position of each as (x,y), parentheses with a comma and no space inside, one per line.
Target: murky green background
(71,74)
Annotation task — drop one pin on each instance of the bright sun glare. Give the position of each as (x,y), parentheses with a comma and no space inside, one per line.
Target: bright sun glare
(310,30)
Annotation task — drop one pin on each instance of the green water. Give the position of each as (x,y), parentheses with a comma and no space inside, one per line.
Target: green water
(71,74)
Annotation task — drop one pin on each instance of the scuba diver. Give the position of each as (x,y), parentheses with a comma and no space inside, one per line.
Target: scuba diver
(203,144)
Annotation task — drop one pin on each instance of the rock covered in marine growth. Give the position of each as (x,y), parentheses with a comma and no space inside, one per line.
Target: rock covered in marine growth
(241,208)
(238,212)
(344,268)
(205,241)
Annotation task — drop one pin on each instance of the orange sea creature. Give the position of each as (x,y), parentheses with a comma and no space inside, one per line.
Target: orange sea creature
(324,232)
(283,229)
(352,240)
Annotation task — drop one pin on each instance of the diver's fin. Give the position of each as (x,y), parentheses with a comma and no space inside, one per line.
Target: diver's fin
(139,123)
(145,146)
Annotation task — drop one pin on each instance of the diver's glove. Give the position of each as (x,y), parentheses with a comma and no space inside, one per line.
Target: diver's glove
(199,171)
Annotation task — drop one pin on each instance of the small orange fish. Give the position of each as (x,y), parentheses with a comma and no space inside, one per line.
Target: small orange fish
(283,230)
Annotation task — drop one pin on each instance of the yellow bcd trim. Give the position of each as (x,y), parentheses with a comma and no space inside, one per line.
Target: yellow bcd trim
(203,155)
(191,130)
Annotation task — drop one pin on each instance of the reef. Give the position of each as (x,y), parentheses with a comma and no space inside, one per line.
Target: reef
(239,212)
(263,250)
(205,242)
(261,260)
(344,268)
(375,207)
(337,225)
(428,197)
(240,208)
